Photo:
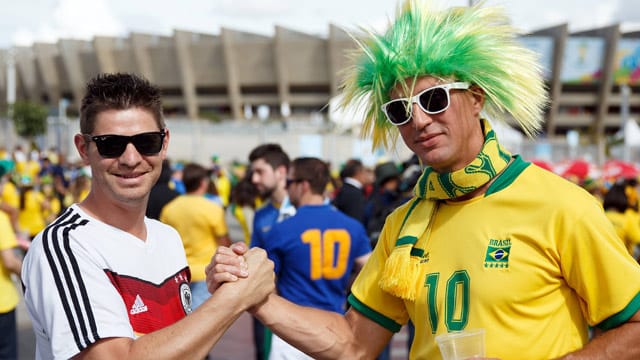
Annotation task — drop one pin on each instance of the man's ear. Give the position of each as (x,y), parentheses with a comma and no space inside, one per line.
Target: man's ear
(82,145)
(165,144)
(282,171)
(477,95)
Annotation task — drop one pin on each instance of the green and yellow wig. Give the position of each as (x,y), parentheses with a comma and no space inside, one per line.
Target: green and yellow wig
(474,44)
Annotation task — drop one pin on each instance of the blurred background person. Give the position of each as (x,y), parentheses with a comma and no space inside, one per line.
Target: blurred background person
(386,196)
(269,166)
(9,196)
(10,263)
(351,196)
(79,187)
(33,207)
(48,190)
(162,192)
(221,181)
(201,225)
(244,200)
(316,251)
(54,172)
(624,217)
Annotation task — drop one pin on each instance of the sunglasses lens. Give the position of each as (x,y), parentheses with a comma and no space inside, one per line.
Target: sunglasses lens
(110,146)
(148,143)
(397,112)
(434,101)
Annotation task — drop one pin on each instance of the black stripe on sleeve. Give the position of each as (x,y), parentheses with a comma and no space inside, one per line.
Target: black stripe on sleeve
(57,251)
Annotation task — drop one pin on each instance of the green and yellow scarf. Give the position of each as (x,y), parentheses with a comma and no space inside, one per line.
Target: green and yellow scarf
(401,270)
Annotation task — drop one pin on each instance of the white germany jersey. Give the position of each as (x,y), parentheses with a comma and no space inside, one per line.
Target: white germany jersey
(85,280)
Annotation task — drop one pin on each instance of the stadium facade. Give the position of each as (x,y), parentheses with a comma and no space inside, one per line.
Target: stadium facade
(593,76)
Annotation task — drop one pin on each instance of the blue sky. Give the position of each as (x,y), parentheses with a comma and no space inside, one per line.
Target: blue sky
(26,21)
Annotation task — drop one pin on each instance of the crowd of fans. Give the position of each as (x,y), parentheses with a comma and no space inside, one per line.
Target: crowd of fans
(36,186)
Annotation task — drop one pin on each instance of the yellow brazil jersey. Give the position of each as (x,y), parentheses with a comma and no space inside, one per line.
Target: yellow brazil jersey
(223,185)
(198,220)
(8,292)
(10,194)
(627,227)
(31,217)
(240,214)
(534,262)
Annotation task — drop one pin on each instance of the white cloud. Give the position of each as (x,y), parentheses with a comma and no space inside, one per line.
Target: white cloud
(83,19)
(25,21)
(66,18)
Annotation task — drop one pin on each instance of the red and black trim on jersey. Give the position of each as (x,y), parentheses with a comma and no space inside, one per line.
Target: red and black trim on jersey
(154,306)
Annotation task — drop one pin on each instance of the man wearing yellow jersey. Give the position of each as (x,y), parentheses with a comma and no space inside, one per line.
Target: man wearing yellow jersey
(10,263)
(9,197)
(201,225)
(487,241)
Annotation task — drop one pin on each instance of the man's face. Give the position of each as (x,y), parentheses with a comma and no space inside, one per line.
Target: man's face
(294,189)
(127,178)
(266,178)
(449,140)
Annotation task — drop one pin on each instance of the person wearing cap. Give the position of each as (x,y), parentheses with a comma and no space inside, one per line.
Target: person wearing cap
(384,199)
(488,240)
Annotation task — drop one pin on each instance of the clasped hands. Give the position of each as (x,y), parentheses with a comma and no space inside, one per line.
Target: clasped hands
(249,270)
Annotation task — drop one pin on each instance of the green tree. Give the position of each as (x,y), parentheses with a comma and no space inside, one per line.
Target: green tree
(29,119)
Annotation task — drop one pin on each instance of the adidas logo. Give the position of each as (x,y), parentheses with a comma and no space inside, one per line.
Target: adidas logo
(138,306)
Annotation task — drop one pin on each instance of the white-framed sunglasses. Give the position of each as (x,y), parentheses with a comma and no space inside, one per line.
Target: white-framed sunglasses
(433,100)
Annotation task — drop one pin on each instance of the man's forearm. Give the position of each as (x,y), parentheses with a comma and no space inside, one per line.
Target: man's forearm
(319,333)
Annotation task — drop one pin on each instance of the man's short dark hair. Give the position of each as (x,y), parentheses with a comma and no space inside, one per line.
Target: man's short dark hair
(119,91)
(314,171)
(272,154)
(351,168)
(192,175)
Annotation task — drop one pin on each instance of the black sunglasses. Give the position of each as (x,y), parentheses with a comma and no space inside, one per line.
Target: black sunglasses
(291,181)
(112,146)
(433,100)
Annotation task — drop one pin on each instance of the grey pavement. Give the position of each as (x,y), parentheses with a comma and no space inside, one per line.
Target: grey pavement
(235,344)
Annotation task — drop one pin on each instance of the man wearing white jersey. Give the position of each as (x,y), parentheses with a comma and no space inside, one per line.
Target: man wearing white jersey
(102,275)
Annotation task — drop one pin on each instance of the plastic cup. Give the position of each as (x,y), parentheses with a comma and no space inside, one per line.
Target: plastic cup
(461,345)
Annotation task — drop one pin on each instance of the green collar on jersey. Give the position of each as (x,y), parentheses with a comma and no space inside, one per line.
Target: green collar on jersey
(508,176)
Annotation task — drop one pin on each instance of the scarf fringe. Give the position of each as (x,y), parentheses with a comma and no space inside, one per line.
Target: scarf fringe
(401,273)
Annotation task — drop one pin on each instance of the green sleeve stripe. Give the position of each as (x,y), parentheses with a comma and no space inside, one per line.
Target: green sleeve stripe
(380,319)
(622,317)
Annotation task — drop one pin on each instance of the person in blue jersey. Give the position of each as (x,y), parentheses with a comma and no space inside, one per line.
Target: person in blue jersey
(269,165)
(316,251)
